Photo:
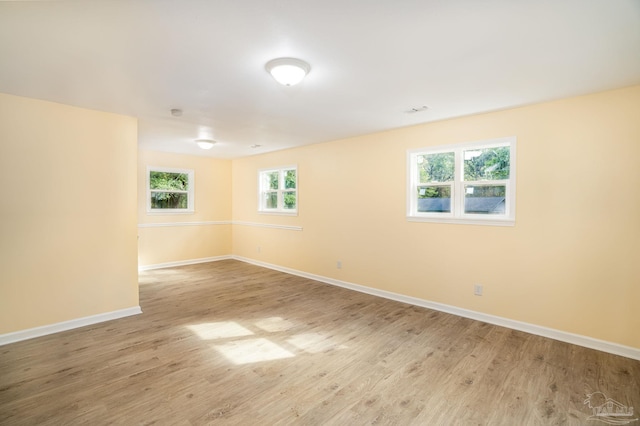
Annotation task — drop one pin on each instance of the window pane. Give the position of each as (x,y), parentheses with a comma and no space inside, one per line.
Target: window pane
(484,199)
(169,200)
(486,164)
(290,179)
(271,200)
(289,200)
(169,181)
(272,180)
(434,199)
(436,167)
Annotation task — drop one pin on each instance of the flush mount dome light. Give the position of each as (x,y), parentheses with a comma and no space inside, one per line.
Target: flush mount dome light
(205,143)
(288,71)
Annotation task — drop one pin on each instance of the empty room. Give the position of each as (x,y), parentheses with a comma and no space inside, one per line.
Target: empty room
(320,213)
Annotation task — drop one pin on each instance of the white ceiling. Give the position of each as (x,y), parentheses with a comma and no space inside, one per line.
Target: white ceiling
(371,61)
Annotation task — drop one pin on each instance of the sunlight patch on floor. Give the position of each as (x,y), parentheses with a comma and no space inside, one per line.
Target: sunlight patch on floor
(274,324)
(314,343)
(241,345)
(219,330)
(252,350)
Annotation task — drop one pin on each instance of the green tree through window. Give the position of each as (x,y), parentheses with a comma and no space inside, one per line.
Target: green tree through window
(170,190)
(487,164)
(467,183)
(278,190)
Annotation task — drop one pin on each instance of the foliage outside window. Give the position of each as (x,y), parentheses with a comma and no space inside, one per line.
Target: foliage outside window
(169,190)
(278,190)
(467,183)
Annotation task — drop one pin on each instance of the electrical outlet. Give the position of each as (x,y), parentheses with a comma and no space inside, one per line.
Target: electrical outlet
(477,289)
(258,249)
(339,264)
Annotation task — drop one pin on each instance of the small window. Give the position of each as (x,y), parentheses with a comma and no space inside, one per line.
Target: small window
(169,190)
(278,190)
(468,183)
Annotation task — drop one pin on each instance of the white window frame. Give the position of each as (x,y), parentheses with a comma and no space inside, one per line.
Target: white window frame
(190,192)
(457,214)
(280,210)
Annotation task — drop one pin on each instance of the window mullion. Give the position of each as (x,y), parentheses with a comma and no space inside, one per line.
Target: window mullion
(176,191)
(487,182)
(458,187)
(281,175)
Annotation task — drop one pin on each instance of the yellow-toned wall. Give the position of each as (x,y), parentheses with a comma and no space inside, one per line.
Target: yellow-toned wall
(68,209)
(571,262)
(187,238)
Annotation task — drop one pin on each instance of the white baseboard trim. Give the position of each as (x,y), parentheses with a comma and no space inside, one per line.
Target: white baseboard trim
(183,263)
(44,330)
(563,336)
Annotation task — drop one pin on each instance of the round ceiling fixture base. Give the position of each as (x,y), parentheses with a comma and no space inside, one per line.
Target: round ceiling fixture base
(205,143)
(288,71)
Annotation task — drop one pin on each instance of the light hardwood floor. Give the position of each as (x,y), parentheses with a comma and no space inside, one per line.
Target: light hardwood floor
(232,343)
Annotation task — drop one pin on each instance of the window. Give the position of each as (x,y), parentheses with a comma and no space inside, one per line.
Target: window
(471,183)
(169,190)
(278,190)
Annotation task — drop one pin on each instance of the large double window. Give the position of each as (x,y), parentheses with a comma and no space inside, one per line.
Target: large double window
(467,183)
(278,190)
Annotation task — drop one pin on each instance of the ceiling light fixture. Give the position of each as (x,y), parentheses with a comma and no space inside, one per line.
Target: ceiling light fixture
(288,71)
(205,143)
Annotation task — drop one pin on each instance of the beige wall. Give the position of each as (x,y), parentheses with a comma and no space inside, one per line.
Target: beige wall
(572,261)
(68,229)
(175,243)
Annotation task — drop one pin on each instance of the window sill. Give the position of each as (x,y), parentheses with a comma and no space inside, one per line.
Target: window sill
(463,221)
(278,213)
(169,212)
